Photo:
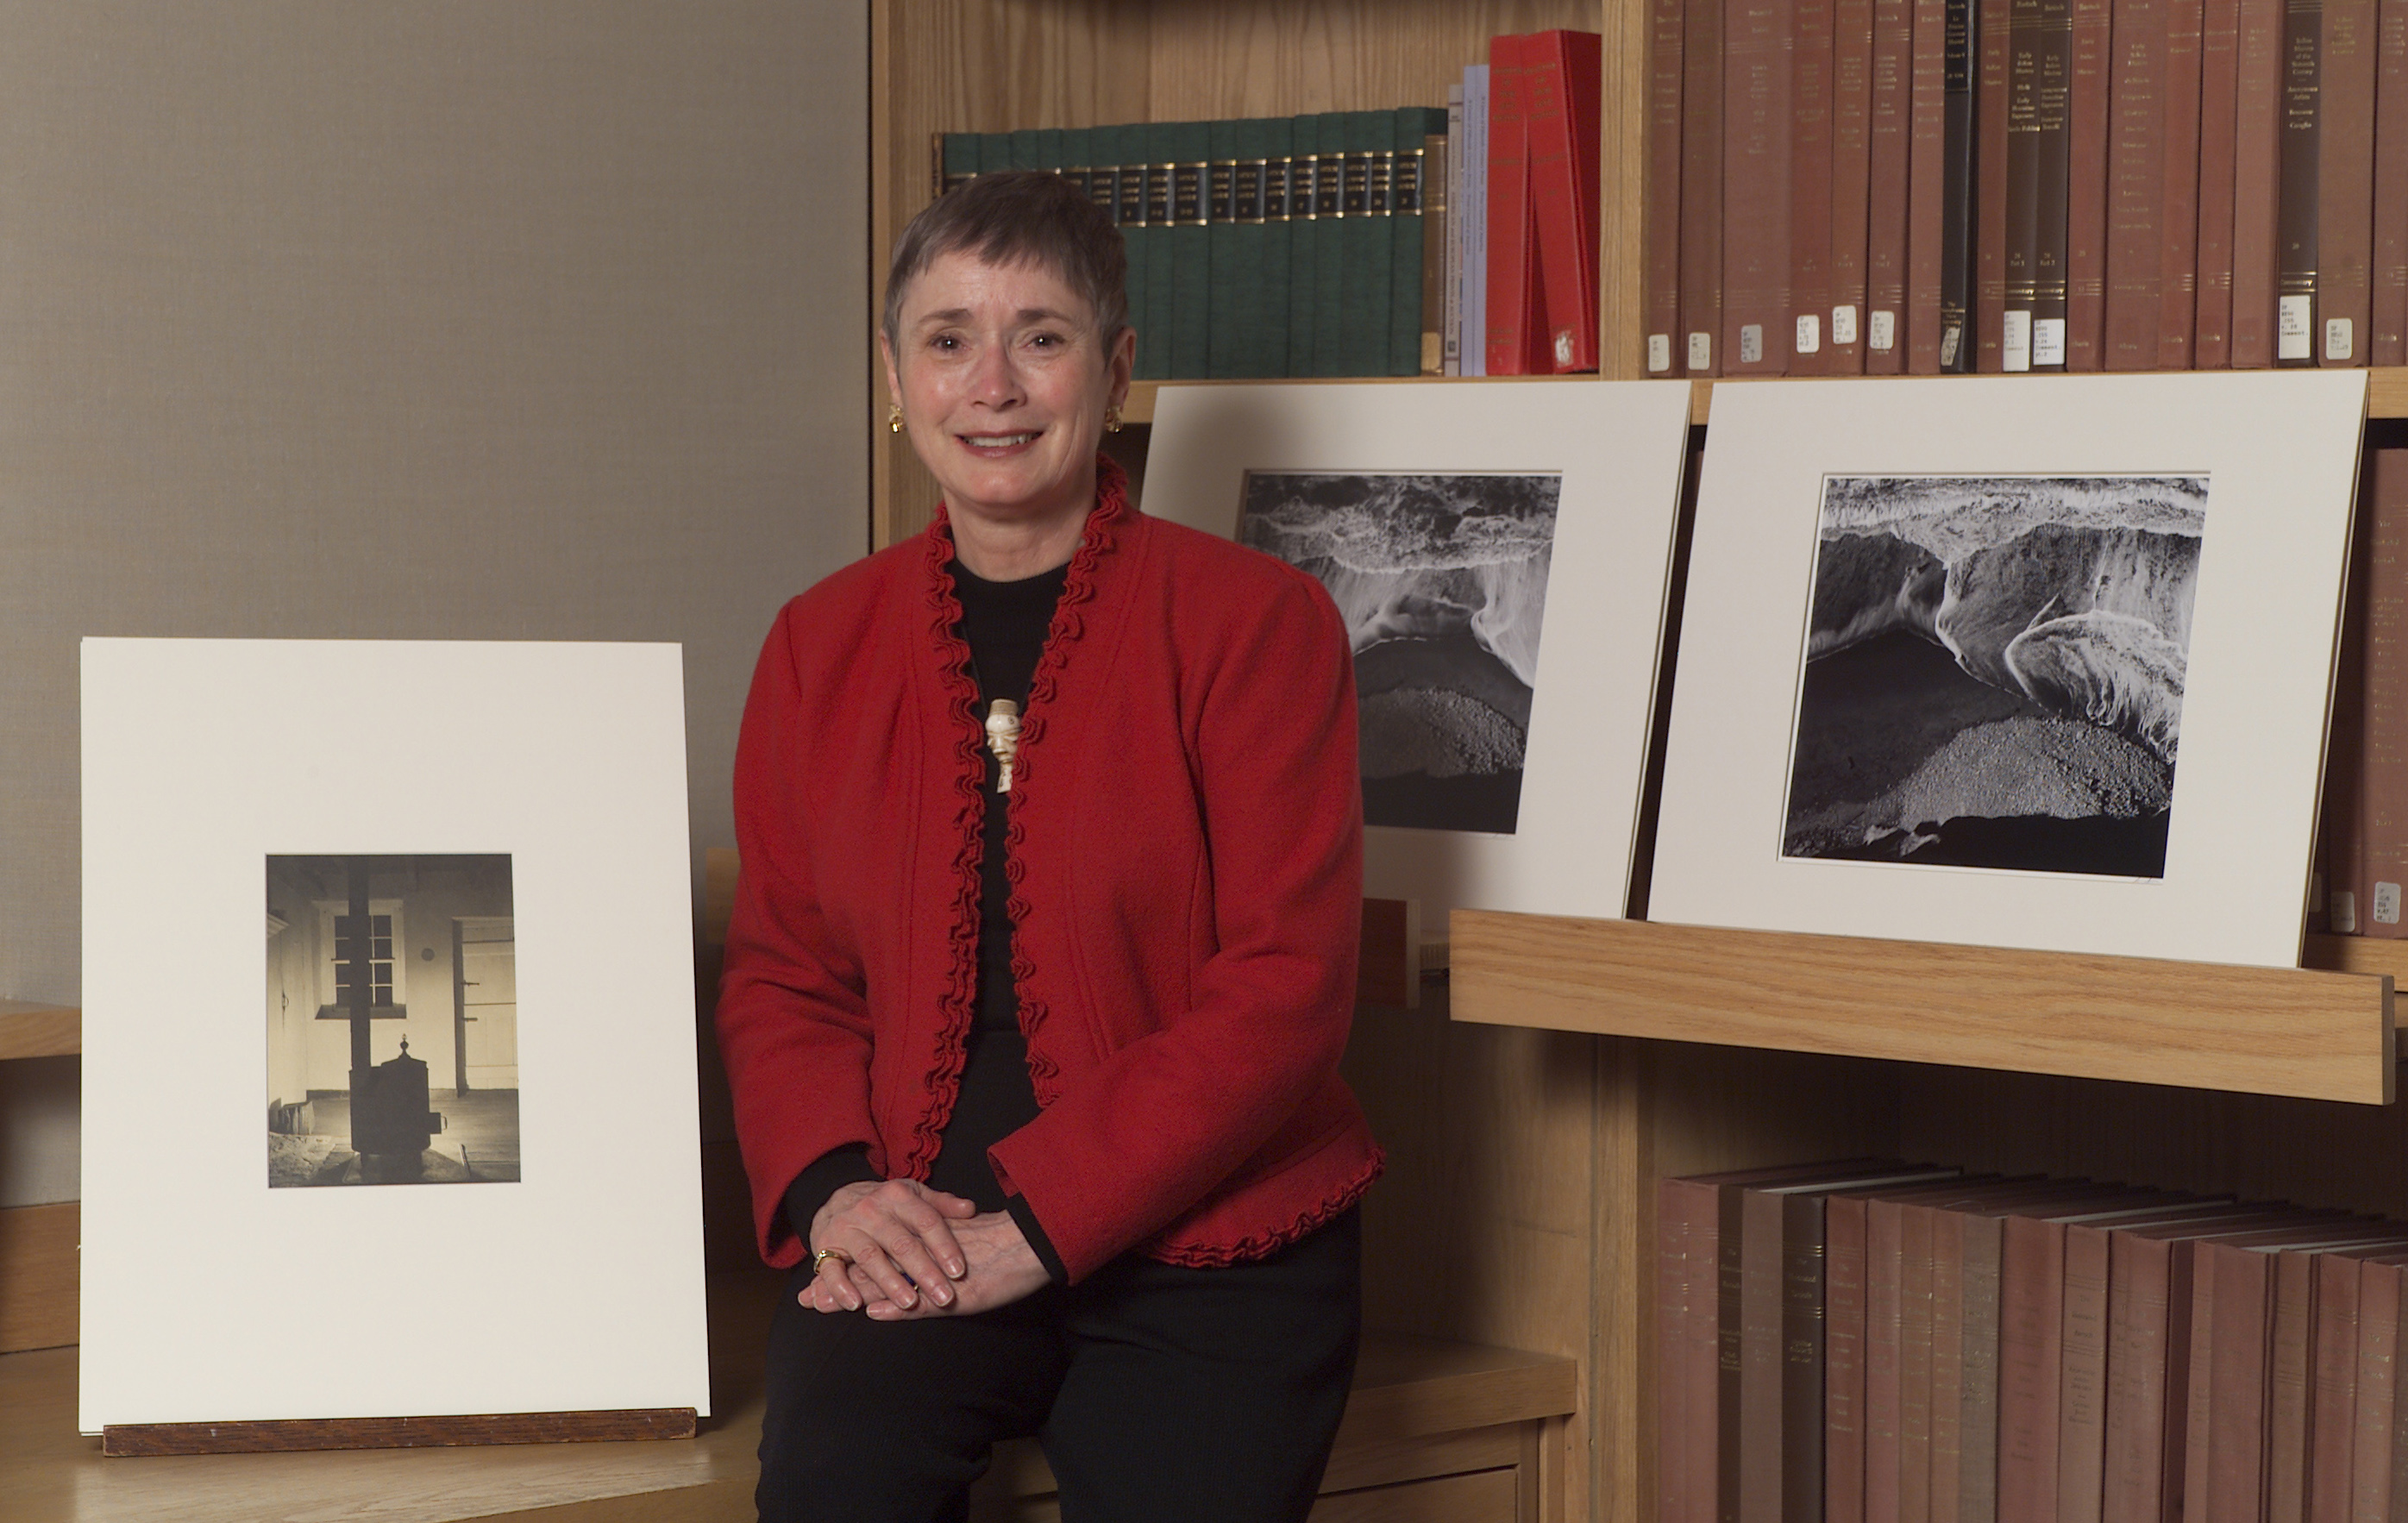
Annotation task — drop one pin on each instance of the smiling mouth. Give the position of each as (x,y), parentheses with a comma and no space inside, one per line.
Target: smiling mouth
(997,441)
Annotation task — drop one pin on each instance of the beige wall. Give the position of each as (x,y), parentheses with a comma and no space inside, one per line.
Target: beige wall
(479,319)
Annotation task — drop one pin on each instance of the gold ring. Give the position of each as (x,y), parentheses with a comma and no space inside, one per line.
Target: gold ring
(819,1259)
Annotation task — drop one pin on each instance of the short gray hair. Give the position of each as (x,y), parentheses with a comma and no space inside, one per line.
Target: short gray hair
(1018,217)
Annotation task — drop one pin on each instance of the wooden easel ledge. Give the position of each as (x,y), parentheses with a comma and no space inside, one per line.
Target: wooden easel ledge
(129,1440)
(32,1030)
(2304,1032)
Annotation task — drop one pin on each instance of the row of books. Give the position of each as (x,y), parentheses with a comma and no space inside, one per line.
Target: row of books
(2362,852)
(1872,1341)
(1260,248)
(1926,186)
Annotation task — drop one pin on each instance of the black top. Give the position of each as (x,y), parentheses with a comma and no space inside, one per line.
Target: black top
(1004,624)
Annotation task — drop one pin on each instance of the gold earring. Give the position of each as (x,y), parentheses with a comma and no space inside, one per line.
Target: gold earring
(895,417)
(1111,420)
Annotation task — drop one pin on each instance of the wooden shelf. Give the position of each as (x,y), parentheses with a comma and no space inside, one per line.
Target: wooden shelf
(2305,1033)
(31,1030)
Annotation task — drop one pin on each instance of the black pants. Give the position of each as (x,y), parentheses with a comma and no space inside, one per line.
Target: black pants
(1159,1393)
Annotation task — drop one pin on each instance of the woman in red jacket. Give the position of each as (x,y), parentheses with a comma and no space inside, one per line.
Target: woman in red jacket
(1043,956)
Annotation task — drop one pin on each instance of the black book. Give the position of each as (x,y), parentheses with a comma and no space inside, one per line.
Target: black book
(1956,192)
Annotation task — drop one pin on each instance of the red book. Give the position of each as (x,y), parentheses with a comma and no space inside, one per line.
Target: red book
(1844,1359)
(2178,276)
(1755,187)
(1886,172)
(1990,183)
(1701,186)
(2256,143)
(2332,1388)
(2218,81)
(2366,796)
(1810,187)
(1663,189)
(1562,78)
(1927,180)
(1915,1364)
(2388,316)
(2087,187)
(2378,1354)
(1673,1368)
(1852,84)
(1515,340)
(2346,182)
(2136,186)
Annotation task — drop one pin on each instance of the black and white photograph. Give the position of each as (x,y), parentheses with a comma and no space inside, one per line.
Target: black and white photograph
(391,1021)
(1993,672)
(1442,581)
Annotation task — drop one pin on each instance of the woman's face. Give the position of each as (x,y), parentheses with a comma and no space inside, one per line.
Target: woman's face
(1003,380)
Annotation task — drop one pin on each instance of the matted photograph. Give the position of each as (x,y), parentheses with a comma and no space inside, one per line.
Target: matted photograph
(1500,557)
(2030,663)
(477,1062)
(1993,672)
(364,954)
(1442,579)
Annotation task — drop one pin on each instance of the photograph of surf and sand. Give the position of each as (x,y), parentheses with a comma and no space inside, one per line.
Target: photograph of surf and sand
(1443,583)
(1993,672)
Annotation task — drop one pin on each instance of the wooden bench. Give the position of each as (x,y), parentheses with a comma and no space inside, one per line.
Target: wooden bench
(1435,1430)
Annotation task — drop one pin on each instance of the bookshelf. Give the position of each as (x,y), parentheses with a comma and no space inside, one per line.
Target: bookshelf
(1531,1103)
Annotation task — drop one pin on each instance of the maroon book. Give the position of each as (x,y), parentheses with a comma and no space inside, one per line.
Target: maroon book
(1810,188)
(1663,188)
(2367,799)
(1991,182)
(2178,277)
(1888,158)
(1926,181)
(1851,77)
(2218,78)
(2256,143)
(1701,187)
(2086,186)
(1674,1204)
(2136,186)
(2345,183)
(2388,314)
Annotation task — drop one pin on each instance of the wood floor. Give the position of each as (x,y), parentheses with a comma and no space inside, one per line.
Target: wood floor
(485,1122)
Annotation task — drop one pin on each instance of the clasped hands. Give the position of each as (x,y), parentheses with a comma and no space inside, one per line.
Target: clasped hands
(916,1253)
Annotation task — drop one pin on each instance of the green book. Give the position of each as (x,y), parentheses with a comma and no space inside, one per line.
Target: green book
(1079,156)
(1407,198)
(1125,147)
(1160,146)
(1048,152)
(1327,242)
(1242,251)
(959,156)
(1370,242)
(1226,288)
(1271,310)
(995,152)
(1304,239)
(1021,149)
(1191,259)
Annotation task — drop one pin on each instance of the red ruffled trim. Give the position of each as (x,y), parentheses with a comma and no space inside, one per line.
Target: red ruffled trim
(956,1006)
(1263,1245)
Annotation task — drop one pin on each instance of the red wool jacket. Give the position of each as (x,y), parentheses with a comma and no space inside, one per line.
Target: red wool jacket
(1186,846)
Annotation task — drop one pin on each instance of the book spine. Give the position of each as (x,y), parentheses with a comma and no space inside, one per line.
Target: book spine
(2332,1389)
(1844,1359)
(1371,278)
(1676,1207)
(1567,273)
(1927,180)
(2085,192)
(1810,187)
(2032,1310)
(2395,1503)
(1701,186)
(2181,1348)
(1730,1312)
(2219,64)
(1755,187)
(1991,40)
(1458,144)
(2377,846)
(2346,182)
(2296,202)
(1161,254)
(2081,1382)
(957,157)
(2189,1501)
(2178,273)
(1978,1488)
(1947,1445)
(2131,1463)
(1475,219)
(1277,301)
(2256,161)
(1245,252)
(2237,1409)
(2053,101)
(1762,1260)
(2387,315)
(1851,64)
(1191,252)
(1020,150)
(1956,191)
(1429,193)
(2378,1351)
(1333,330)
(1078,160)
(1226,328)
(1512,293)
(2287,1412)
(1304,242)
(1665,38)
(1914,1361)
(1884,1267)
(2135,187)
(2023,182)
(1887,171)
(1126,148)
(1410,130)
(1802,1340)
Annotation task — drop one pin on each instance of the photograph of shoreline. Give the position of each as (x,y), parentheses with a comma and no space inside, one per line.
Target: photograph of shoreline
(1993,672)
(1442,581)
